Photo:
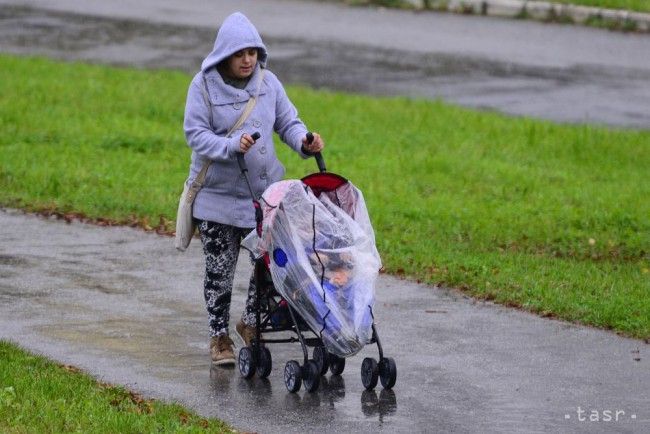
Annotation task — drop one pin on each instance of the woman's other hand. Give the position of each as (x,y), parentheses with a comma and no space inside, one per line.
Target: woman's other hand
(316,145)
(245,143)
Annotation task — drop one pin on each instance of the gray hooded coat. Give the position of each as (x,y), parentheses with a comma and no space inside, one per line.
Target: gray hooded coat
(224,197)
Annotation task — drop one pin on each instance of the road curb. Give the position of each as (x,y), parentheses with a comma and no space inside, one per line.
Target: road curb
(614,19)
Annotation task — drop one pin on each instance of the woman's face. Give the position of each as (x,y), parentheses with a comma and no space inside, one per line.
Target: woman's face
(242,63)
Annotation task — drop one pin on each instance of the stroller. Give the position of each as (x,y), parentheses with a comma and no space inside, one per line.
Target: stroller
(314,271)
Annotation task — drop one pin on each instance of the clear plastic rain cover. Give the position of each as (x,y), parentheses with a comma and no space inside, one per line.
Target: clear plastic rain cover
(323,259)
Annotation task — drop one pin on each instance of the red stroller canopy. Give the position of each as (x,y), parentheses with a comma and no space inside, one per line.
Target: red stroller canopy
(323,181)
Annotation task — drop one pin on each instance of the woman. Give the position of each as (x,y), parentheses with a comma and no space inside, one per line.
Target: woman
(230,75)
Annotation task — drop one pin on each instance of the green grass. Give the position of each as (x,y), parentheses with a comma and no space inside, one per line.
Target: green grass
(631,5)
(39,396)
(551,218)
(401,4)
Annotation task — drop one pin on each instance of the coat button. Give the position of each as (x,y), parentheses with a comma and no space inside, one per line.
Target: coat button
(257,123)
(262,150)
(236,106)
(263,175)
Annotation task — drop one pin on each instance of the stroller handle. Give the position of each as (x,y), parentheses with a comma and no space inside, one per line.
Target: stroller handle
(319,157)
(256,135)
(244,170)
(242,163)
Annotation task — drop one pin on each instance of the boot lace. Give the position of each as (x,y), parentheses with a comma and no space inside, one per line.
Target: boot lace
(224,344)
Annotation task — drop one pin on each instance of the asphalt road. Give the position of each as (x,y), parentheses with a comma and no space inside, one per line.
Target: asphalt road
(123,305)
(550,71)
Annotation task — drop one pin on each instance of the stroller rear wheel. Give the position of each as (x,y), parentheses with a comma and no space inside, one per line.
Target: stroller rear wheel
(321,357)
(311,376)
(369,373)
(246,362)
(292,376)
(337,364)
(387,372)
(264,364)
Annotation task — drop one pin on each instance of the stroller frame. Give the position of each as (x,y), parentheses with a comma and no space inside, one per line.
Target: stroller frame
(272,310)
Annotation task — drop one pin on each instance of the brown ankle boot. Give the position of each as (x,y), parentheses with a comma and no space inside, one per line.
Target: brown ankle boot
(221,350)
(246,333)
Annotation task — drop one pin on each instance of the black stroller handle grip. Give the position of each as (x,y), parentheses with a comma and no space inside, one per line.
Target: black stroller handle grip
(319,157)
(240,155)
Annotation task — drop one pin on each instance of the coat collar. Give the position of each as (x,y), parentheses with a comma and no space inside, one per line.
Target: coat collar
(221,93)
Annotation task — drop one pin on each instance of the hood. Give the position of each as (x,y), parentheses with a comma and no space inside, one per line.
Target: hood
(236,33)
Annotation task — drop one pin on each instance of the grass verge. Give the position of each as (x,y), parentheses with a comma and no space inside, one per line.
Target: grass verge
(551,218)
(471,7)
(37,395)
(630,5)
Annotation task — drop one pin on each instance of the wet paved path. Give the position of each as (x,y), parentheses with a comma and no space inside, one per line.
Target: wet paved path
(550,71)
(123,305)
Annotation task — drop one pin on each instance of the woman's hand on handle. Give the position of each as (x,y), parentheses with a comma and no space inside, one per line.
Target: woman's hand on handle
(246,141)
(316,145)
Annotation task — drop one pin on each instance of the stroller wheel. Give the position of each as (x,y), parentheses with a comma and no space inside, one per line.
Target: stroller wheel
(311,376)
(264,363)
(337,364)
(321,357)
(387,372)
(246,362)
(292,376)
(369,373)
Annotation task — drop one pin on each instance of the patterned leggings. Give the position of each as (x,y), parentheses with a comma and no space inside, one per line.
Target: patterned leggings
(221,248)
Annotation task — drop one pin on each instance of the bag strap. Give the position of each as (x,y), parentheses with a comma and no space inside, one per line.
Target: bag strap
(250,105)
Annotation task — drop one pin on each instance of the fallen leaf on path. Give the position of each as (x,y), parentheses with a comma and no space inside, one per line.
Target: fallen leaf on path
(184,418)
(71,368)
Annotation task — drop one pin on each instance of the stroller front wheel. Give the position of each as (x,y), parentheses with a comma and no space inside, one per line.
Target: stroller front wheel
(311,376)
(387,372)
(337,364)
(265,363)
(292,376)
(369,373)
(246,362)
(322,358)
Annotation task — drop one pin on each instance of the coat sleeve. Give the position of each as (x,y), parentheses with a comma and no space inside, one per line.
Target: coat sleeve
(287,123)
(199,134)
